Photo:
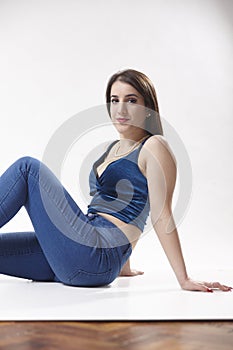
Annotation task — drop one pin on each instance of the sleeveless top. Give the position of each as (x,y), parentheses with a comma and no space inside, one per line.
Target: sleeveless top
(121,190)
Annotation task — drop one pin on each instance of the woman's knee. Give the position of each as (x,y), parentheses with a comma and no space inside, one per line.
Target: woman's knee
(28,164)
(28,160)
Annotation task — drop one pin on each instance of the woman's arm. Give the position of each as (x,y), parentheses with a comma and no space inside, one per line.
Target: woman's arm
(161,177)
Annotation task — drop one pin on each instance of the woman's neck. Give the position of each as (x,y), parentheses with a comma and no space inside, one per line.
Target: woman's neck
(128,141)
(133,136)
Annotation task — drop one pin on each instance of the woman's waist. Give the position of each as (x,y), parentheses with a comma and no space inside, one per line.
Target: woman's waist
(132,232)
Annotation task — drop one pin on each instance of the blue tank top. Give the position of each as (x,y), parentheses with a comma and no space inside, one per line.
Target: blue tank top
(121,190)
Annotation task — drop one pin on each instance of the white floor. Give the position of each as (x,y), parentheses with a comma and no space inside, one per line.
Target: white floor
(152,296)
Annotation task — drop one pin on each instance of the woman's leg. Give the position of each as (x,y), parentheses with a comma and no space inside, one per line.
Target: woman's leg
(22,256)
(68,240)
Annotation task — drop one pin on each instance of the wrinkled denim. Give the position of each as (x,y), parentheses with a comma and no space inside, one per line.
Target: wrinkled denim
(66,245)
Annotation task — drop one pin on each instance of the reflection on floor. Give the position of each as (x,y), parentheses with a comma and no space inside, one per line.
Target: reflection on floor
(152,296)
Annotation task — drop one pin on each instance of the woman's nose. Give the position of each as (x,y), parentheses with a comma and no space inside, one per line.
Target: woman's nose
(122,108)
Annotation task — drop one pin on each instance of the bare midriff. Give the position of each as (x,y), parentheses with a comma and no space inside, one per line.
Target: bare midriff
(131,231)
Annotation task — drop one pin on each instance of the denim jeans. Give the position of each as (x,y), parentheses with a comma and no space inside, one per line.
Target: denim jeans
(66,245)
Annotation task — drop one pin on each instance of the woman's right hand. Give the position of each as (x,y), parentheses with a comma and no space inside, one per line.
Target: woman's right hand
(202,286)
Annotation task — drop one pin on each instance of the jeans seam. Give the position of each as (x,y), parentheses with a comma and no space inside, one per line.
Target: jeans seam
(94,274)
(11,188)
(19,253)
(29,172)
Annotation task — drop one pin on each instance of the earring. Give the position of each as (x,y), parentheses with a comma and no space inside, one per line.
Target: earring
(148,116)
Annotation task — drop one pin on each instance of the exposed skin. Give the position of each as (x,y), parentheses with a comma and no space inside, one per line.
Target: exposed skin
(157,162)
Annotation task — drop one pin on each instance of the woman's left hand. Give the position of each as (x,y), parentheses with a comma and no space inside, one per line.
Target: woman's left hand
(130,272)
(192,285)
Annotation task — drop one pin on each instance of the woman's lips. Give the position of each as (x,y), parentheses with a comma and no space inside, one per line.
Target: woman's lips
(122,120)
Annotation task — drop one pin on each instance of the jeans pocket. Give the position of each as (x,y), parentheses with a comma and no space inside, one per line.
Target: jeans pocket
(91,279)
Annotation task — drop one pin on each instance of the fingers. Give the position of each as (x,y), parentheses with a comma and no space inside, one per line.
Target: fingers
(131,272)
(205,286)
(135,272)
(217,285)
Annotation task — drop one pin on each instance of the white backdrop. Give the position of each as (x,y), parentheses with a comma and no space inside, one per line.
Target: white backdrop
(55,59)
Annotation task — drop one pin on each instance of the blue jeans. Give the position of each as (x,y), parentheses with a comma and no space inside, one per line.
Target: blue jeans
(67,246)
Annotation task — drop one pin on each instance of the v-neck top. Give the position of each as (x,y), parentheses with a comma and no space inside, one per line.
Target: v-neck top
(121,190)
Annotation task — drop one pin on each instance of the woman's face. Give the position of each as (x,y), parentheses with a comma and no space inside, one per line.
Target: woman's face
(127,107)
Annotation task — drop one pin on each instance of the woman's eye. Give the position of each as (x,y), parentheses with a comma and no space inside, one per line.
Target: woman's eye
(132,100)
(114,101)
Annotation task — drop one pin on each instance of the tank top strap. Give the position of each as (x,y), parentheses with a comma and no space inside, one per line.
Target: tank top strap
(142,143)
(145,140)
(110,146)
(133,156)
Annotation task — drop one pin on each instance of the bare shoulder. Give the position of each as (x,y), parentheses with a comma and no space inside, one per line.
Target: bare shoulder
(156,141)
(159,146)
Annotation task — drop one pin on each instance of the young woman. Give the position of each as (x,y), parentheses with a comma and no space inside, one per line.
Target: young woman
(136,175)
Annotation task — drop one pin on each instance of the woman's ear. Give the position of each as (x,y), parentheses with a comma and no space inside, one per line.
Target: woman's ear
(147,112)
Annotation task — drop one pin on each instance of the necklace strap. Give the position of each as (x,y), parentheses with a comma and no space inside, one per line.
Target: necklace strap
(131,149)
(101,163)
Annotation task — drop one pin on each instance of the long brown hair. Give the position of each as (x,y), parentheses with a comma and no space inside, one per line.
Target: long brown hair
(146,88)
